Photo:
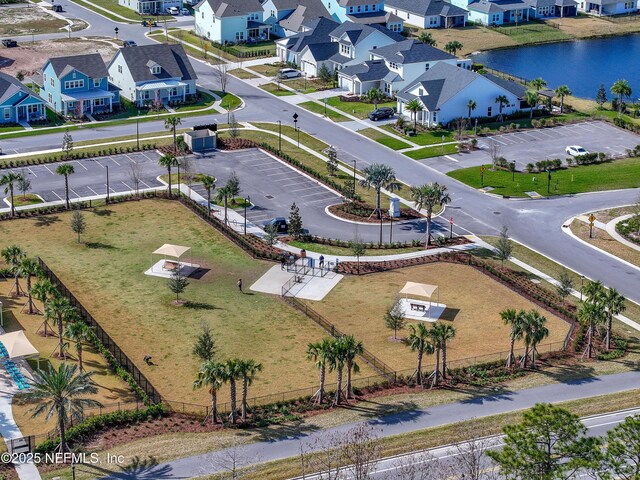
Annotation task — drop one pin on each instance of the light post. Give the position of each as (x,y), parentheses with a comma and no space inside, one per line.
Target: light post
(475,128)
(325,106)
(548,181)
(280,135)
(581,286)
(138,131)
(513,171)
(450,228)
(73,469)
(107,166)
(295,126)
(246,201)
(354,178)
(178,179)
(391,229)
(380,241)
(228,107)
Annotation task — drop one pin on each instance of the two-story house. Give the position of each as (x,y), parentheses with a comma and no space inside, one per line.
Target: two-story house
(17,102)
(428,13)
(230,21)
(289,17)
(150,7)
(370,12)
(150,73)
(289,49)
(78,84)
(391,67)
(444,91)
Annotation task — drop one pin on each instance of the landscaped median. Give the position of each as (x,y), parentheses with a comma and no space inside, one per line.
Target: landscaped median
(321,110)
(436,151)
(386,140)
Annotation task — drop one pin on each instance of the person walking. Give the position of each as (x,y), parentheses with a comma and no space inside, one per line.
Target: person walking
(321,263)
(283,261)
(240,285)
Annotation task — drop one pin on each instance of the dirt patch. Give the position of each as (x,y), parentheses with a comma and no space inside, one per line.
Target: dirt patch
(581,27)
(24,20)
(31,57)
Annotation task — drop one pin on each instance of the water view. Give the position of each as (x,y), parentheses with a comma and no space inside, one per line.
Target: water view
(582,64)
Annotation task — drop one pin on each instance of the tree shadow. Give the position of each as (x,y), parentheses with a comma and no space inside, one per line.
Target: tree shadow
(46,220)
(100,246)
(200,306)
(449,314)
(199,273)
(291,430)
(102,212)
(138,469)
(575,374)
(481,395)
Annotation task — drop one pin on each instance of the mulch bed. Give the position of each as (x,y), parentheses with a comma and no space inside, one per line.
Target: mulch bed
(405,214)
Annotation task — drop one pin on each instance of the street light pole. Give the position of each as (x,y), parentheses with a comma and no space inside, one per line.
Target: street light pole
(138,131)
(246,201)
(380,241)
(548,181)
(354,177)
(581,286)
(391,229)
(295,127)
(280,135)
(513,171)
(107,166)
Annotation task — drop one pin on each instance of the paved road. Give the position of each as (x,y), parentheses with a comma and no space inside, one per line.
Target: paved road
(417,419)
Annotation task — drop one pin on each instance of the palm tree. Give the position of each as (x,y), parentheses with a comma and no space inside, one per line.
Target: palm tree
(213,374)
(43,291)
(590,315)
(29,268)
(7,180)
(418,341)
(223,196)
(453,46)
(427,38)
(448,332)
(65,170)
(168,161)
(471,106)
(532,100)
(622,89)
(320,353)
(515,320)
(414,106)
(538,83)
(427,196)
(60,309)
(13,255)
(60,393)
(593,291)
(562,91)
(231,375)
(247,369)
(535,332)
(375,96)
(80,333)
(352,349)
(379,176)
(502,101)
(336,363)
(171,123)
(435,334)
(208,182)
(614,302)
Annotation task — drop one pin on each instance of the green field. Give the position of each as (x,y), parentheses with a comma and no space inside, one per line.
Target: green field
(383,139)
(319,109)
(428,152)
(533,32)
(276,90)
(591,178)
(429,137)
(357,109)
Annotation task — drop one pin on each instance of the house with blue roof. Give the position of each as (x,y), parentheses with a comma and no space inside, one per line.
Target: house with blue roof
(77,85)
(18,103)
(369,12)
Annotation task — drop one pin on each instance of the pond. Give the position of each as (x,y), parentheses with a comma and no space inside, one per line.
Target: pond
(582,64)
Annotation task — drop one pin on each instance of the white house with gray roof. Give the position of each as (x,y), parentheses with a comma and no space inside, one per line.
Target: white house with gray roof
(444,92)
(289,49)
(608,7)
(288,17)
(149,7)
(428,13)
(370,12)
(392,67)
(231,21)
(542,9)
(148,73)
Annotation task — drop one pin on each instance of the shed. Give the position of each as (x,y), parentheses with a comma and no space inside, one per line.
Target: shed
(201,140)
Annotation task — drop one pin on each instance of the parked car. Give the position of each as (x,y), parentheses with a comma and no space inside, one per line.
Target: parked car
(279,222)
(173,11)
(57,8)
(184,11)
(8,43)
(149,23)
(129,43)
(289,73)
(380,113)
(575,150)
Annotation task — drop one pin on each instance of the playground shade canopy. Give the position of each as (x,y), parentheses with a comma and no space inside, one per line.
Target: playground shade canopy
(169,250)
(418,289)
(18,345)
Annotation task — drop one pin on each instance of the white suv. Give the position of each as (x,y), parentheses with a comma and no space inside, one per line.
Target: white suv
(173,11)
(289,73)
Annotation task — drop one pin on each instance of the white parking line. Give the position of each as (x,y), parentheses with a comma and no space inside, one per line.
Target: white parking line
(98,163)
(32,172)
(80,163)
(448,157)
(145,184)
(128,187)
(110,189)
(496,140)
(74,192)
(59,197)
(114,161)
(313,195)
(49,170)
(94,192)
(278,174)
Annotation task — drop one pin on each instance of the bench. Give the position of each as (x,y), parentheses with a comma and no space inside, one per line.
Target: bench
(170,265)
(418,307)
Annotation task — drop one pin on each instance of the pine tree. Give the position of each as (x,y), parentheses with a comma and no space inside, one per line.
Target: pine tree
(205,345)
(295,221)
(177,284)
(332,162)
(78,224)
(272,234)
(394,319)
(67,143)
(324,74)
(601,96)
(233,126)
(504,247)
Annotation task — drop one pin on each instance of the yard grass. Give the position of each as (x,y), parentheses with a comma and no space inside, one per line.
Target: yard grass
(474,302)
(334,250)
(228,101)
(190,43)
(268,69)
(205,101)
(473,38)
(590,178)
(22,200)
(428,152)
(308,85)
(601,239)
(533,32)
(12,128)
(383,139)
(320,110)
(241,73)
(27,21)
(276,90)
(357,109)
(430,137)
(265,45)
(105,272)
(113,7)
(111,389)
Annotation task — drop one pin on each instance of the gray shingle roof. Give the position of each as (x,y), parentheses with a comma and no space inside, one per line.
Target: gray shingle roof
(370,71)
(9,86)
(323,51)
(512,87)
(485,7)
(427,8)
(90,64)
(172,58)
(305,15)
(356,32)
(319,34)
(232,8)
(373,18)
(411,51)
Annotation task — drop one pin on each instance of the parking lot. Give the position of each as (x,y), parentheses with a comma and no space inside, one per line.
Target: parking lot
(533,145)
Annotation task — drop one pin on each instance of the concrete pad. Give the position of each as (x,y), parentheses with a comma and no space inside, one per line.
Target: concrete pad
(308,287)
(157,269)
(432,311)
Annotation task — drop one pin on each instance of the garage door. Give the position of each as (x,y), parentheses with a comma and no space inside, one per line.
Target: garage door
(345,83)
(309,68)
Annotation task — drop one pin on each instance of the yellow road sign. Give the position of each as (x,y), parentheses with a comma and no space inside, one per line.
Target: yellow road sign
(482,169)
(592,218)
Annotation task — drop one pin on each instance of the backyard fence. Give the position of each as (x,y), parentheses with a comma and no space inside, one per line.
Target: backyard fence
(508,76)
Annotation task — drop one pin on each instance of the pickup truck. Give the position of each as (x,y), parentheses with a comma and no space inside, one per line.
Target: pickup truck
(8,43)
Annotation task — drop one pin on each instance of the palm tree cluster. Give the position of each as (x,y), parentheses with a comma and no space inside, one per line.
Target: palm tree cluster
(428,196)
(599,307)
(336,355)
(529,327)
(215,374)
(427,341)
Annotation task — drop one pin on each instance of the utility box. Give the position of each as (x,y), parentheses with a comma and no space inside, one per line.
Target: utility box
(394,207)
(201,140)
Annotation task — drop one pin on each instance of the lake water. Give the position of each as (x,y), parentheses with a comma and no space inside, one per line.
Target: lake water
(582,65)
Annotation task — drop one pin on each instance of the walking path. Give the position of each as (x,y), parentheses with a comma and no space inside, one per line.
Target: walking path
(503,401)
(611,230)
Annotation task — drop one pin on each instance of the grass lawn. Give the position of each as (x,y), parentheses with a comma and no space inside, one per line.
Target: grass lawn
(106,273)
(228,100)
(383,139)
(307,86)
(269,45)
(601,239)
(205,101)
(533,32)
(357,109)
(113,7)
(232,203)
(429,137)
(474,302)
(319,109)
(12,128)
(333,250)
(22,200)
(241,73)
(590,178)
(276,90)
(268,69)
(191,44)
(428,152)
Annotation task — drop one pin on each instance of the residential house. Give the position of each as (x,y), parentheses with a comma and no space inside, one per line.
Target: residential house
(18,103)
(288,49)
(444,92)
(392,67)
(428,13)
(608,7)
(369,12)
(226,21)
(148,73)
(77,85)
(498,12)
(289,17)
(150,7)
(542,9)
